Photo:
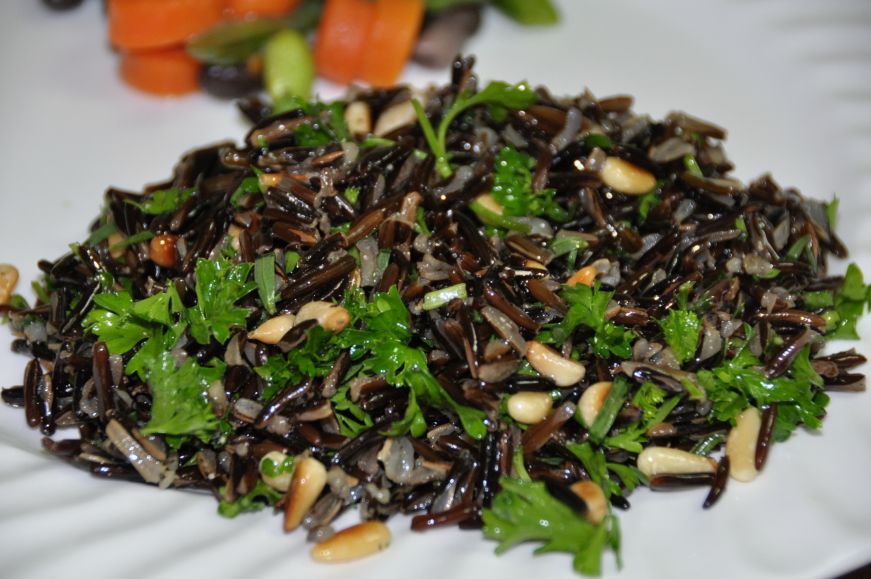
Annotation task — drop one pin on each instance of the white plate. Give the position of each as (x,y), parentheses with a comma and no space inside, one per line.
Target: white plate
(792,82)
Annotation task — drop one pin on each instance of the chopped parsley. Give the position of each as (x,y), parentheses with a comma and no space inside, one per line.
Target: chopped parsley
(850,301)
(327,124)
(741,382)
(313,358)
(587,307)
(220,284)
(260,497)
(163,200)
(681,331)
(512,188)
(180,405)
(524,511)
(496,94)
(379,340)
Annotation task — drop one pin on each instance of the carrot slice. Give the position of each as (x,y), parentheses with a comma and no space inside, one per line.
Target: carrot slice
(260,8)
(341,38)
(164,72)
(146,24)
(391,40)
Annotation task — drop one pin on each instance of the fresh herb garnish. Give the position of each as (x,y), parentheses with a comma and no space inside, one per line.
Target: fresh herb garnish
(587,306)
(741,382)
(381,345)
(524,511)
(260,497)
(163,201)
(681,331)
(850,302)
(496,93)
(180,404)
(327,124)
(512,188)
(220,284)
(264,276)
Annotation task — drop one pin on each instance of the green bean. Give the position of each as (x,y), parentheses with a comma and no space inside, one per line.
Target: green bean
(288,67)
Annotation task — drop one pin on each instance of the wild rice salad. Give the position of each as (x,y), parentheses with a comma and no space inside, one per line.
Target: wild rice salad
(482,306)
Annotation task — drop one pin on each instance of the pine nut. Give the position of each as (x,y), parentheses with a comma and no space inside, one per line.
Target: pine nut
(162,250)
(529,407)
(358,117)
(586,276)
(624,177)
(267,180)
(113,240)
(549,363)
(319,412)
(272,330)
(656,460)
(532,264)
(394,118)
(489,202)
(281,481)
(8,281)
(234,231)
(309,479)
(591,401)
(329,316)
(741,445)
(594,498)
(355,542)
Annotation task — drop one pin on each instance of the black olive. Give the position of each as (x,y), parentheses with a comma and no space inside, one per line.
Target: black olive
(229,81)
(62,4)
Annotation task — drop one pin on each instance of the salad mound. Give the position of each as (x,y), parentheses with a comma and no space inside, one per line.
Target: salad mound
(480,305)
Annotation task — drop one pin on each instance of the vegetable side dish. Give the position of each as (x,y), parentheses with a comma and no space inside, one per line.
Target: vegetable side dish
(482,306)
(231,48)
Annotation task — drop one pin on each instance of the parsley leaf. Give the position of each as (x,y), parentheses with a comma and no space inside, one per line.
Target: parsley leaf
(353,420)
(850,303)
(122,324)
(647,202)
(599,469)
(313,358)
(569,245)
(327,124)
(496,93)
(113,321)
(631,438)
(741,381)
(587,306)
(681,331)
(180,405)
(248,186)
(524,511)
(163,200)
(220,284)
(261,496)
(381,345)
(512,187)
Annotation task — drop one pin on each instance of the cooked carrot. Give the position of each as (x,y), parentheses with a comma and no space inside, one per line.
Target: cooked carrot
(164,72)
(260,8)
(391,40)
(341,38)
(146,24)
